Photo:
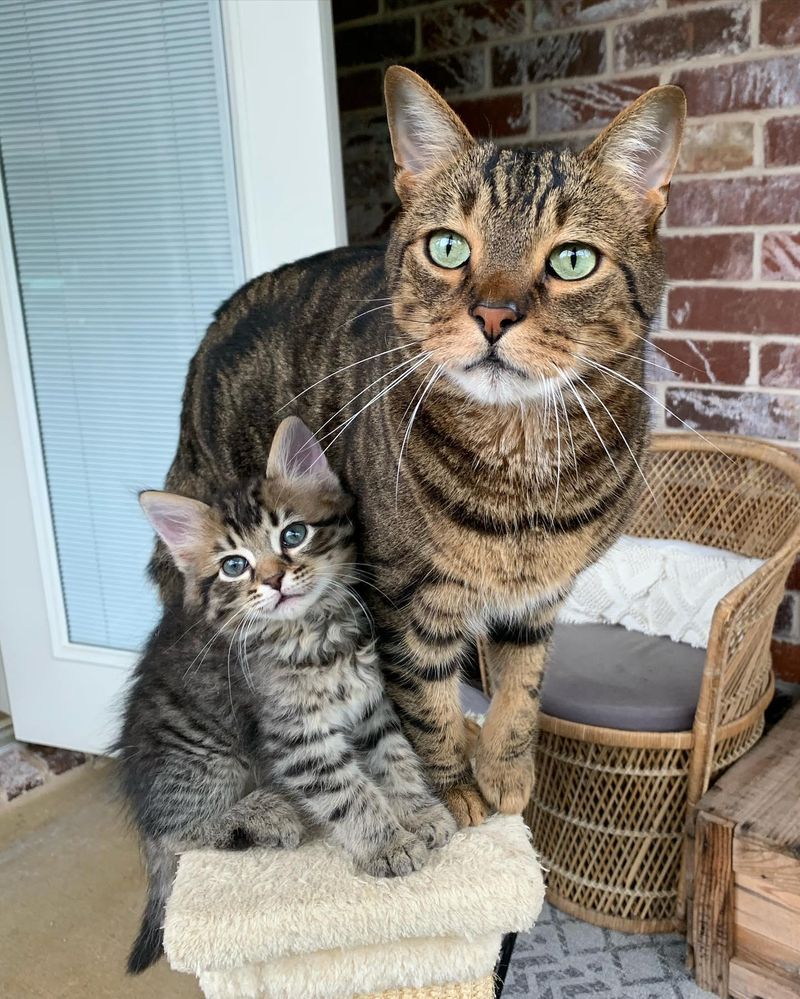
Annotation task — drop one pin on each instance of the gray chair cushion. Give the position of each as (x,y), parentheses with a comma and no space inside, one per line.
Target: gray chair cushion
(604,675)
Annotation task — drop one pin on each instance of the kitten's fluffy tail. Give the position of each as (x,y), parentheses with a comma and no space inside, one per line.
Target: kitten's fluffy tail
(149,944)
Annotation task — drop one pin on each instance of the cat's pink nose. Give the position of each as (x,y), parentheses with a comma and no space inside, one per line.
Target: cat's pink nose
(274,581)
(494,320)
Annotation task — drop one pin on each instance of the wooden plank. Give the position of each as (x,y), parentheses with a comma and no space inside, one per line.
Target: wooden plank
(757,861)
(750,945)
(788,900)
(758,914)
(755,981)
(761,791)
(712,914)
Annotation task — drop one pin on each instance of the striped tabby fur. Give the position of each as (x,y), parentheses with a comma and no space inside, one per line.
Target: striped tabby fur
(489,469)
(258,707)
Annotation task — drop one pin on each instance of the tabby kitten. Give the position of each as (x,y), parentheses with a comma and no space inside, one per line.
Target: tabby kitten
(258,708)
(479,383)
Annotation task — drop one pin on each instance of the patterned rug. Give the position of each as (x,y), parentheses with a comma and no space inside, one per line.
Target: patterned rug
(563,958)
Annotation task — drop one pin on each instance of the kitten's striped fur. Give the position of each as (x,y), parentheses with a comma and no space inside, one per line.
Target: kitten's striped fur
(487,477)
(246,724)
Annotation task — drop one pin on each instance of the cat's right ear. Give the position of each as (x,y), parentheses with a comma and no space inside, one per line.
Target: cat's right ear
(426,133)
(181,523)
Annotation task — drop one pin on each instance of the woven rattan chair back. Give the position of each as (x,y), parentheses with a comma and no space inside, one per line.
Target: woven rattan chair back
(609,807)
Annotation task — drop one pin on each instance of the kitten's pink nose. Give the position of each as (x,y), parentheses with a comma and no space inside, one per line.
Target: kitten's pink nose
(494,320)
(274,581)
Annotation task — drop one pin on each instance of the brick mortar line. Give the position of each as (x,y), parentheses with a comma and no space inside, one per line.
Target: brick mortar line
(609,74)
(772,391)
(754,339)
(748,284)
(730,230)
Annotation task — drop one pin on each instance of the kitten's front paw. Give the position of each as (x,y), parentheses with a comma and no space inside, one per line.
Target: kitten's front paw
(403,854)
(506,784)
(466,804)
(281,832)
(433,824)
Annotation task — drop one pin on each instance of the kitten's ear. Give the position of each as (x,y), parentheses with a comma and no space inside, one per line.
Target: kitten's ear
(181,523)
(296,454)
(426,133)
(642,144)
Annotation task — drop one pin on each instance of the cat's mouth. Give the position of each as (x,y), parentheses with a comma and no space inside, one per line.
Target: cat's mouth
(492,361)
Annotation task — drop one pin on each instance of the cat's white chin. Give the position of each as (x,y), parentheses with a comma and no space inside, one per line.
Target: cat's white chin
(497,387)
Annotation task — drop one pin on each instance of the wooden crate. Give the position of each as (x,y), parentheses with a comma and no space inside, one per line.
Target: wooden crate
(743,873)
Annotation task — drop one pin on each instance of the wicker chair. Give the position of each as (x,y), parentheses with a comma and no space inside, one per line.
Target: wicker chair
(609,806)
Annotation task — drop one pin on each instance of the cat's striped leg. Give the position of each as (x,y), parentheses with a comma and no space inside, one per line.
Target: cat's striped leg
(504,760)
(398,771)
(422,653)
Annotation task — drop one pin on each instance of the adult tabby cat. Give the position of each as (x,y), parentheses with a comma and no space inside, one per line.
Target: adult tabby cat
(267,682)
(478,386)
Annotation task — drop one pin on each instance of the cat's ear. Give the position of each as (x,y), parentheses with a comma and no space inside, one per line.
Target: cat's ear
(181,523)
(297,454)
(642,144)
(426,133)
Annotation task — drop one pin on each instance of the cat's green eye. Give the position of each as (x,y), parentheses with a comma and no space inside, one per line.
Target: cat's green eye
(234,566)
(448,249)
(293,535)
(572,261)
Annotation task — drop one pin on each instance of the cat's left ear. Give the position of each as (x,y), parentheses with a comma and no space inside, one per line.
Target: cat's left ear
(297,454)
(642,145)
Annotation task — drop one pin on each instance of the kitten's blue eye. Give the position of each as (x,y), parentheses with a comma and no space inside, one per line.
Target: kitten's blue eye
(293,535)
(448,249)
(573,261)
(234,566)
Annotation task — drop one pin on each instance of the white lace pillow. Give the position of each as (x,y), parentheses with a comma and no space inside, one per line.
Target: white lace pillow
(658,587)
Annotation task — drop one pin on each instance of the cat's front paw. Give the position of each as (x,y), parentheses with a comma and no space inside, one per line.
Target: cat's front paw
(506,784)
(466,804)
(403,854)
(433,824)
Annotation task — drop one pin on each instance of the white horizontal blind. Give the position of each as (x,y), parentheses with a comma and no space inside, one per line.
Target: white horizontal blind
(118,173)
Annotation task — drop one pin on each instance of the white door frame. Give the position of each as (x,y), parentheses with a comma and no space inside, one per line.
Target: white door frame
(280,72)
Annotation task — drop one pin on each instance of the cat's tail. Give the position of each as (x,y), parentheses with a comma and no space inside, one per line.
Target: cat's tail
(149,944)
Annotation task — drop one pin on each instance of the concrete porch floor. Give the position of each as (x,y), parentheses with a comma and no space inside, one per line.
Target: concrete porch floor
(71,894)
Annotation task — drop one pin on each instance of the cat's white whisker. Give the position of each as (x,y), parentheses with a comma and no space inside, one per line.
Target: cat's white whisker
(569,431)
(622,435)
(434,377)
(597,433)
(339,371)
(372,402)
(658,402)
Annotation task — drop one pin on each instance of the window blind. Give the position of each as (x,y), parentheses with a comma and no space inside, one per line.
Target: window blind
(118,174)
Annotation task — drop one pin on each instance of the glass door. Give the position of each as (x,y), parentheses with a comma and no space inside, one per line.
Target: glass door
(119,236)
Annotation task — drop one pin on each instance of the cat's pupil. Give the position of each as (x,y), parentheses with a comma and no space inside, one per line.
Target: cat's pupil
(293,535)
(573,257)
(234,565)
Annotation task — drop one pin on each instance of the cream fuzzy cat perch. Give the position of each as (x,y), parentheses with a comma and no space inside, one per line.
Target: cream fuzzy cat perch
(303,925)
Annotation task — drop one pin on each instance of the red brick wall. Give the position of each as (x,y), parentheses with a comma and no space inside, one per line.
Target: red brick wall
(557,71)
